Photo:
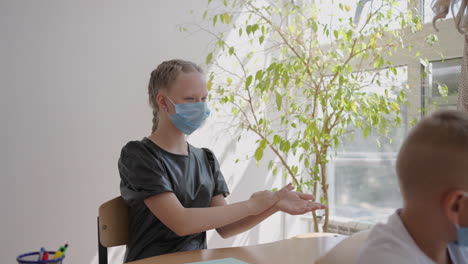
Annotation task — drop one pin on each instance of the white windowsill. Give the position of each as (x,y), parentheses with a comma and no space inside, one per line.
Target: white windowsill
(343,226)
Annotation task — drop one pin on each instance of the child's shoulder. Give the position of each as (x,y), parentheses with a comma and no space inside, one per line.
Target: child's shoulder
(458,254)
(143,148)
(135,146)
(388,243)
(201,151)
(135,143)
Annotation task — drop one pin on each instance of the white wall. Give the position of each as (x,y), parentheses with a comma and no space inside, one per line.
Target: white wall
(73,82)
(73,77)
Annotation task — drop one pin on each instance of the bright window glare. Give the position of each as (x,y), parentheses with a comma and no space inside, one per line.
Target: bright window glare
(427,11)
(364,186)
(334,17)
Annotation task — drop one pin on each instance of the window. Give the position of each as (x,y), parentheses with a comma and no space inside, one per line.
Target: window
(427,12)
(366,187)
(334,17)
(363,185)
(442,72)
(363,182)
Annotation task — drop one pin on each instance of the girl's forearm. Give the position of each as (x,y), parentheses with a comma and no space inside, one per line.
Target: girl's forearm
(185,221)
(196,220)
(245,223)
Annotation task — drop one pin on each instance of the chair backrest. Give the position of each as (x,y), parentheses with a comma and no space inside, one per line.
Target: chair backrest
(113,223)
(346,251)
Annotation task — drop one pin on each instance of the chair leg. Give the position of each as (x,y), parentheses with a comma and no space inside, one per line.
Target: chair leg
(102,251)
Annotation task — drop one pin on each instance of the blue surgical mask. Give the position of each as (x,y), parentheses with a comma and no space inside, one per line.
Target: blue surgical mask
(462,236)
(189,117)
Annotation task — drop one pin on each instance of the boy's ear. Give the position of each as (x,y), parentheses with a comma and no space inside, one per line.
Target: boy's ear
(453,204)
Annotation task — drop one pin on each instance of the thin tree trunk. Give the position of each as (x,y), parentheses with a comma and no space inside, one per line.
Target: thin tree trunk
(314,215)
(324,184)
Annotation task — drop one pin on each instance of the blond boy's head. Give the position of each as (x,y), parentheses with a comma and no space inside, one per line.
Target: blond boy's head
(432,164)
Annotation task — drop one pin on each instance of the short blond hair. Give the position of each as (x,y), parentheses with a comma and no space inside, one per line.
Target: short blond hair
(435,154)
(442,7)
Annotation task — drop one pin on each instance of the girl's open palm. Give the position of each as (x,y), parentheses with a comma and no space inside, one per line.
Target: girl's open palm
(262,200)
(297,203)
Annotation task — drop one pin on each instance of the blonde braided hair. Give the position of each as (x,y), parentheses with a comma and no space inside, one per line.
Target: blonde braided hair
(163,77)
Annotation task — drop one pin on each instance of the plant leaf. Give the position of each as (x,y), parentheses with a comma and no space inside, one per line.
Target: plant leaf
(209,57)
(248,82)
(279,100)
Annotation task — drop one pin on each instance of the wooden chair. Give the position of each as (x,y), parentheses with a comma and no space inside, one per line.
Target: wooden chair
(112,224)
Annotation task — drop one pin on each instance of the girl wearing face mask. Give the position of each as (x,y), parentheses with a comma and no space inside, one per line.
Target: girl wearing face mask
(175,191)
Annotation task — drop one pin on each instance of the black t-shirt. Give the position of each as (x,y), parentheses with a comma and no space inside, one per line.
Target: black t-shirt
(146,170)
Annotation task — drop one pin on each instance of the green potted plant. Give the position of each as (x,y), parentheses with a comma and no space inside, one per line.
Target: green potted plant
(300,83)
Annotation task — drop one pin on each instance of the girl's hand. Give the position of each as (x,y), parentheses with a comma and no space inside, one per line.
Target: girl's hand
(261,201)
(297,203)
